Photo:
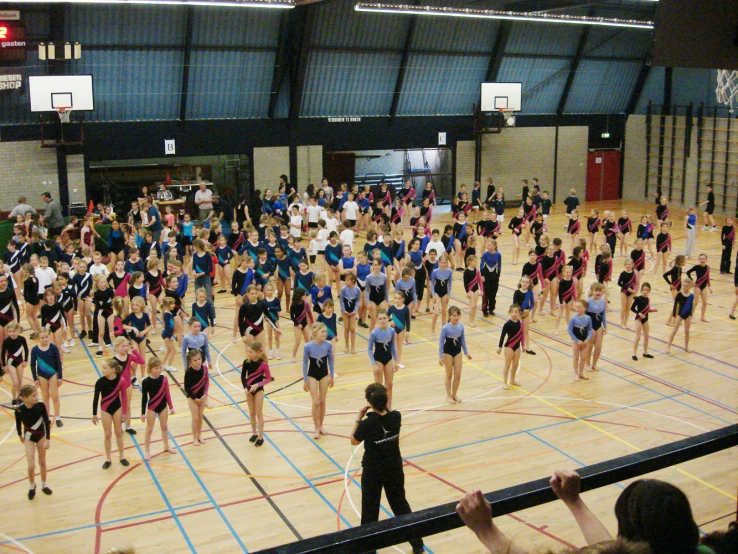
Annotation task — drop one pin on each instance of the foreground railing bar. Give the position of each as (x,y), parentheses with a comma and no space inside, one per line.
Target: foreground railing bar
(442,518)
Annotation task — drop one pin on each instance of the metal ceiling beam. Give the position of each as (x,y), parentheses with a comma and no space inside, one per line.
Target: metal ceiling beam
(187,48)
(302,21)
(403,65)
(573,67)
(498,51)
(281,63)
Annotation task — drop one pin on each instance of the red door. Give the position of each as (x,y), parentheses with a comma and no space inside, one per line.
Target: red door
(603,175)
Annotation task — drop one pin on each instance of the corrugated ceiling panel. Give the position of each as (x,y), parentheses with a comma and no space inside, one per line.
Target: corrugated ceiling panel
(344,84)
(543,38)
(618,42)
(338,25)
(132,84)
(653,90)
(16,108)
(222,26)
(441,85)
(229,84)
(602,87)
(129,25)
(543,81)
(455,34)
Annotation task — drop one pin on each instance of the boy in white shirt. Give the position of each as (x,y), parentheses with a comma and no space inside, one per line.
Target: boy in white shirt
(347,236)
(312,247)
(350,212)
(295,222)
(435,242)
(98,268)
(44,274)
(321,240)
(331,223)
(314,213)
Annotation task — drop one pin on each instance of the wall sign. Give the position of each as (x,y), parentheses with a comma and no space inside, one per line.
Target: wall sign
(344,120)
(441,139)
(169,148)
(11,80)
(12,42)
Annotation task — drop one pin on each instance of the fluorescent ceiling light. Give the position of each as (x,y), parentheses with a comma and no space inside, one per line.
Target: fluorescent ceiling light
(497,14)
(284,4)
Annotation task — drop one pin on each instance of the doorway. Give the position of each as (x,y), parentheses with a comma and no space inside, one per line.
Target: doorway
(603,175)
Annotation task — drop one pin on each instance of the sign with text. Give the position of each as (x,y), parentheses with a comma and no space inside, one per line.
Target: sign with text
(11,80)
(10,15)
(344,120)
(169,147)
(12,42)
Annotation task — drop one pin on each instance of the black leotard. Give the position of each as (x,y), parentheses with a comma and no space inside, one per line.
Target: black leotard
(114,395)
(34,420)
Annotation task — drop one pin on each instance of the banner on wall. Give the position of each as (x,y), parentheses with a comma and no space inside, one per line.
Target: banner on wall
(11,80)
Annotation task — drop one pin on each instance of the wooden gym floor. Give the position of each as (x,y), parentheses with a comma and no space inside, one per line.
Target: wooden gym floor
(228,496)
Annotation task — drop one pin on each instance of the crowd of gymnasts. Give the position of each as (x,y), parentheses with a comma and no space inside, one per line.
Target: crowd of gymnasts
(122,297)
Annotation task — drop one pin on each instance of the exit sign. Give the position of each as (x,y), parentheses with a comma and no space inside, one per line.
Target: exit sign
(605,135)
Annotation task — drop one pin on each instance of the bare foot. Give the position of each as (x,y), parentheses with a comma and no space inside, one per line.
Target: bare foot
(556,332)
(316,434)
(450,400)
(471,324)
(534,321)
(703,319)
(147,456)
(322,431)
(294,360)
(514,383)
(686,350)
(576,378)
(353,351)
(171,450)
(458,400)
(505,386)
(196,442)
(594,368)
(202,441)
(626,327)
(583,377)
(587,368)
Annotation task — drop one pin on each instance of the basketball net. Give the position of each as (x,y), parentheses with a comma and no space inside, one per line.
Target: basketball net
(64,114)
(727,87)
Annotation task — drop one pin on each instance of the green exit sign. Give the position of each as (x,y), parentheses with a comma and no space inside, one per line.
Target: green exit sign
(605,135)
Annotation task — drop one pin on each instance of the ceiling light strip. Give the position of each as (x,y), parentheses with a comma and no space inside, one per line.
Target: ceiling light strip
(283,4)
(506,15)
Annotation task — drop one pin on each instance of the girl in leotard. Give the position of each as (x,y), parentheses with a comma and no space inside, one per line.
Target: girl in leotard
(129,359)
(34,431)
(350,300)
(251,316)
(663,246)
(383,352)
(512,339)
(474,286)
(674,278)
(318,373)
(156,400)
(638,256)
(441,281)
(574,226)
(254,376)
(53,318)
(155,284)
(111,393)
(682,311)
(14,358)
(593,226)
(273,306)
(628,283)
(8,306)
(30,295)
(376,291)
(196,391)
(580,331)
(302,318)
(168,332)
(138,325)
(597,312)
(567,291)
(103,302)
(700,274)
(641,308)
(524,297)
(625,226)
(450,344)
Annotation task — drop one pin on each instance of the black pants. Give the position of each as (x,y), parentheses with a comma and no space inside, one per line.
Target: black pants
(725,259)
(491,284)
(611,242)
(420,277)
(393,482)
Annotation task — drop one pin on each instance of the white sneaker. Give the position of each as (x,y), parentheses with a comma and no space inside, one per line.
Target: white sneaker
(65,344)
(401,366)
(172,368)
(65,350)
(279,356)
(71,342)
(162,348)
(108,346)
(153,331)
(269,356)
(713,229)
(93,343)
(705,228)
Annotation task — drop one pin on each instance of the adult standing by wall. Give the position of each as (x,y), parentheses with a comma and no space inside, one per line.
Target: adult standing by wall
(53,216)
(328,191)
(382,461)
(21,209)
(223,210)
(154,219)
(203,199)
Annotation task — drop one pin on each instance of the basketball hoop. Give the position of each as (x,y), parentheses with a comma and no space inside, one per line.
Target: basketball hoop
(727,87)
(64,113)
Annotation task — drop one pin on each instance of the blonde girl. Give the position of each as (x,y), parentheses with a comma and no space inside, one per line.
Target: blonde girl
(30,294)
(14,358)
(566,290)
(273,306)
(48,373)
(512,338)
(196,391)
(318,373)
(674,278)
(168,332)
(111,393)
(156,400)
(52,317)
(350,301)
(641,308)
(474,285)
(441,280)
(255,375)
(700,273)
(682,311)
(450,345)
(129,359)
(156,288)
(580,332)
(597,312)
(628,283)
(138,325)
(35,435)
(524,298)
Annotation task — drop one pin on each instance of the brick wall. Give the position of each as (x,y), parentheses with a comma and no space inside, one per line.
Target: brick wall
(572,162)
(309,165)
(269,164)
(76,179)
(634,171)
(25,166)
(465,151)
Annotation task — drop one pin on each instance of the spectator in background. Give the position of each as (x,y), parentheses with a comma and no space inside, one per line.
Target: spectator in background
(328,190)
(153,219)
(203,199)
(21,209)
(163,193)
(53,215)
(224,213)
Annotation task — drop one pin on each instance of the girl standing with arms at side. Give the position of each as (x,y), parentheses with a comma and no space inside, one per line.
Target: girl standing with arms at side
(30,295)
(376,291)
(34,431)
(690,227)
(641,308)
(524,298)
(302,318)
(111,394)
(567,290)
(399,319)
(597,312)
(663,247)
(196,389)
(473,285)
(156,401)
(674,279)
(580,331)
(14,358)
(383,352)
(441,281)
(628,283)
(574,227)
(450,345)
(254,376)
(318,374)
(700,274)
(167,333)
(517,224)
(52,318)
(128,358)
(512,338)
(625,225)
(638,256)
(682,311)
(273,307)
(350,299)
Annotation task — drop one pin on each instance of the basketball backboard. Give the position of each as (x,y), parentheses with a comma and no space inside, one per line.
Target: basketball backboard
(501,96)
(50,92)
